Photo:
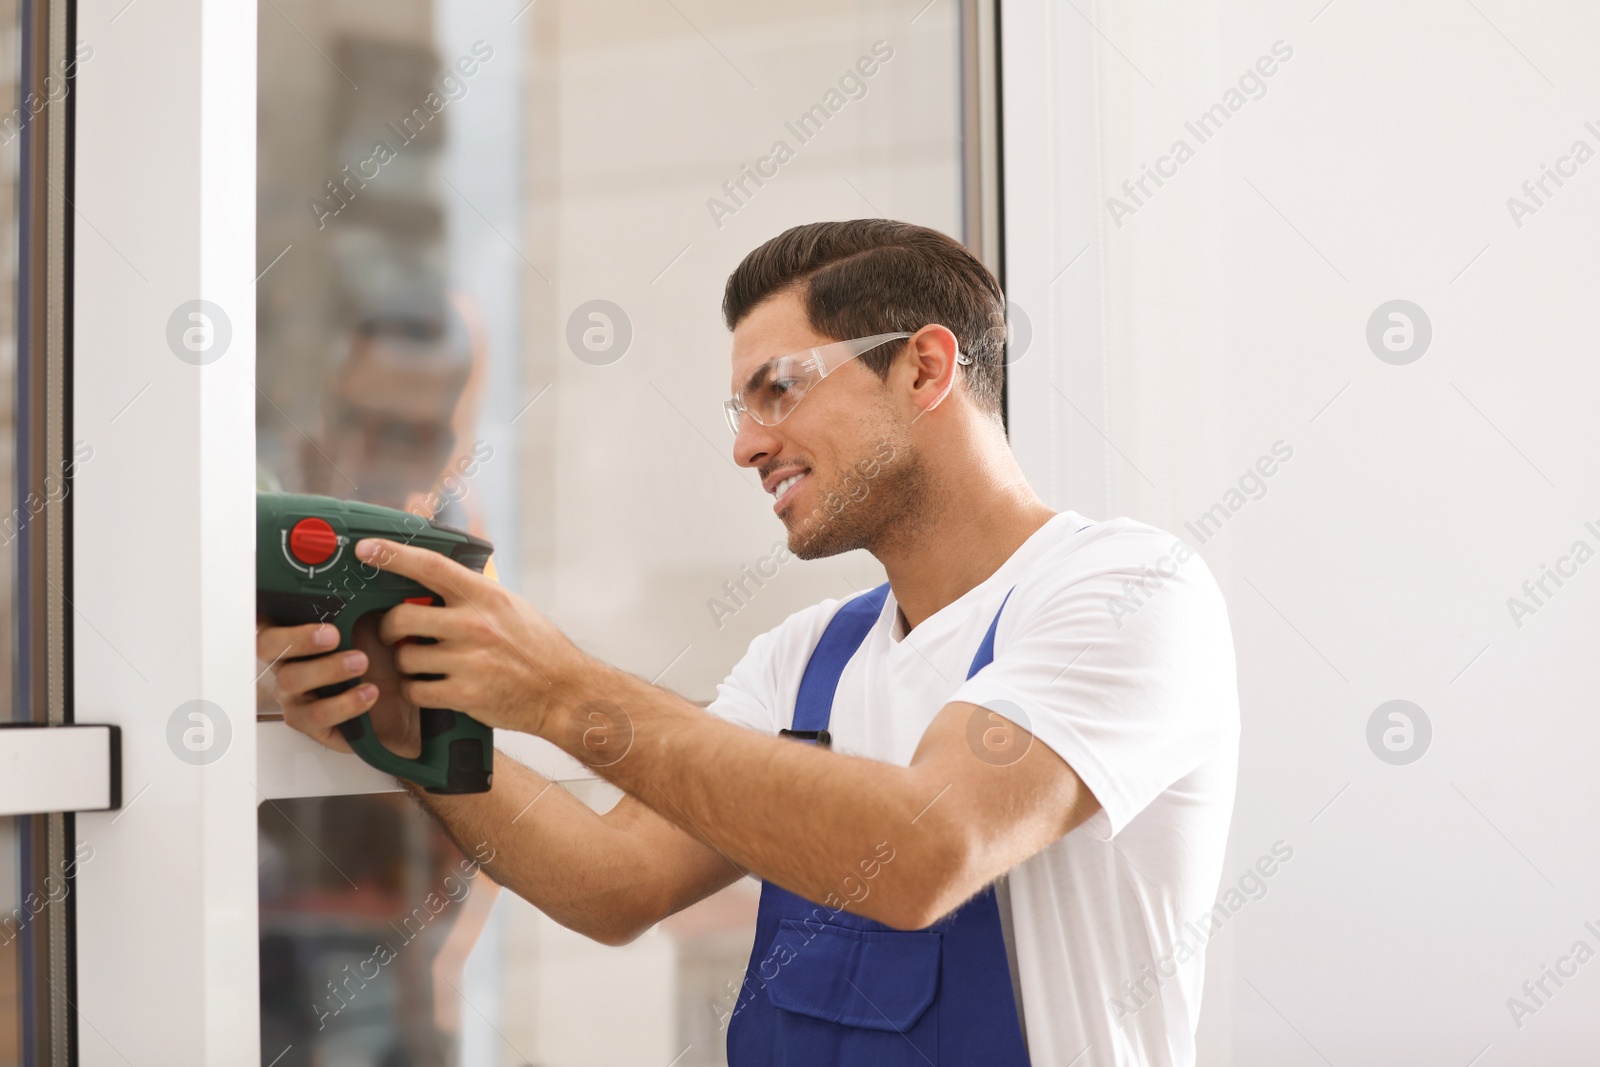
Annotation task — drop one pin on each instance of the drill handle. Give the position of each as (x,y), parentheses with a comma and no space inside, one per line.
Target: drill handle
(457,751)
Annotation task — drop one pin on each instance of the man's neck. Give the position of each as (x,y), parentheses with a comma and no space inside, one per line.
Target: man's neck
(985,517)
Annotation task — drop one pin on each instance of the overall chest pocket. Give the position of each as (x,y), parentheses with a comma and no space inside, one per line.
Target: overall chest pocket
(855,998)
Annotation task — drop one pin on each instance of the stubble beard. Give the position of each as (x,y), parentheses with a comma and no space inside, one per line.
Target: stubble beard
(875,504)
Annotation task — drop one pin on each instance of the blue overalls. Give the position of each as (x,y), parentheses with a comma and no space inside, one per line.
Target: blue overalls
(825,987)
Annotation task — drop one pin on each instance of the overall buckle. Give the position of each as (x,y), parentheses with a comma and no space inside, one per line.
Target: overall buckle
(821,737)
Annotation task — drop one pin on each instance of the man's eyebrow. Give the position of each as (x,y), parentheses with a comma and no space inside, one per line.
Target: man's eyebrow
(759,378)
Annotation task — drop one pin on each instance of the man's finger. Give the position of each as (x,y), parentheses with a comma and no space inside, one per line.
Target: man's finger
(301,678)
(320,719)
(438,693)
(275,643)
(328,712)
(424,659)
(434,571)
(418,620)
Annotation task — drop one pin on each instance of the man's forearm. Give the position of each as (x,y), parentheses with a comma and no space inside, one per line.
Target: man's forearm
(551,849)
(818,823)
(832,828)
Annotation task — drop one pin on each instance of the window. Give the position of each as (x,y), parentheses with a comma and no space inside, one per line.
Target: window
(498,235)
(11,875)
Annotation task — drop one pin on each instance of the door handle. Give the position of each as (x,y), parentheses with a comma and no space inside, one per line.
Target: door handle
(45,769)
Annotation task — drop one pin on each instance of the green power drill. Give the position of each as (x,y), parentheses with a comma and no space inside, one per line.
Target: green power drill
(307,571)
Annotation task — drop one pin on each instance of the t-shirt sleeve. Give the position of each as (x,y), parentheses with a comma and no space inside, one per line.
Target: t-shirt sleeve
(759,691)
(1124,672)
(746,696)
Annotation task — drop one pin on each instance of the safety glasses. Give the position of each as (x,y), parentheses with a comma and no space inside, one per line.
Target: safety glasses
(776,387)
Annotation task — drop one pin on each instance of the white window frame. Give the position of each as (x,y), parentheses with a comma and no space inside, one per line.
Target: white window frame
(162,556)
(1054,243)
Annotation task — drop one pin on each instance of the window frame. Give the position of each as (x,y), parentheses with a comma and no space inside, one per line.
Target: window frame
(41,694)
(162,559)
(163,149)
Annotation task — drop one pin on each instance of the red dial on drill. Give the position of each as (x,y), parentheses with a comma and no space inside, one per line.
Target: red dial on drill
(312,540)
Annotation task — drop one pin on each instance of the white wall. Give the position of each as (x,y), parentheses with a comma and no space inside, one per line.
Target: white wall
(1229,312)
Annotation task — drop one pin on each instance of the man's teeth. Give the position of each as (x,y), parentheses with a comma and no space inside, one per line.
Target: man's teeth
(783,486)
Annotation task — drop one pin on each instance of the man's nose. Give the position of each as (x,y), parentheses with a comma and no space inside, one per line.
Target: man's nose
(753,443)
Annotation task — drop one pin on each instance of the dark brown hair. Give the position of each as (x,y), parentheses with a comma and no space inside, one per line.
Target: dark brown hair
(870,276)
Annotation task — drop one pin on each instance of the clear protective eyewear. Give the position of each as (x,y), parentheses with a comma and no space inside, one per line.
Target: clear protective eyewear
(778,385)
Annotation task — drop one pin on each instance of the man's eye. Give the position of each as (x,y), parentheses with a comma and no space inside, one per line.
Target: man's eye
(779,386)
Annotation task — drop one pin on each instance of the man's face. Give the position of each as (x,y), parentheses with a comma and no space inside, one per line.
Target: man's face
(846,441)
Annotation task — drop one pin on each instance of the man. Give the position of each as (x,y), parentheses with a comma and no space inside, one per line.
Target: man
(1011,768)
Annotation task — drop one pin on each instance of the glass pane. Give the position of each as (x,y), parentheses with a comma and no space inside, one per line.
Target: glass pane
(10,159)
(13,915)
(367,917)
(494,238)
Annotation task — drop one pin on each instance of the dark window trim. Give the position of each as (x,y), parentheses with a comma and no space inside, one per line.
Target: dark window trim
(43,660)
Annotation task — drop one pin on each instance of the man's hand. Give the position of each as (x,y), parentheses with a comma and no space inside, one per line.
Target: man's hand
(295,679)
(500,660)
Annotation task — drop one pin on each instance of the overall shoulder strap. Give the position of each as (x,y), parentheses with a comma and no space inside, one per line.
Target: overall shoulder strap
(846,630)
(985,654)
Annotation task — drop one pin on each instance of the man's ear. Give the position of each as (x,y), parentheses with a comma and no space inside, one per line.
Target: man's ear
(934,353)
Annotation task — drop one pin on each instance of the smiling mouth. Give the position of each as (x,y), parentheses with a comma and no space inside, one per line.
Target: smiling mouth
(785,489)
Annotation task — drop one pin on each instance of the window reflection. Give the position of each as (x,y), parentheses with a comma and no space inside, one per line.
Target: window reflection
(13,913)
(367,918)
(10,945)
(391,409)
(371,364)
(447,190)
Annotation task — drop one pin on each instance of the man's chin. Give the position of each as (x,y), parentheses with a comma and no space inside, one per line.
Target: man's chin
(802,548)
(812,537)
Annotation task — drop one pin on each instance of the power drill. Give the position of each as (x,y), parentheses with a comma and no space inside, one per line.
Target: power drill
(307,571)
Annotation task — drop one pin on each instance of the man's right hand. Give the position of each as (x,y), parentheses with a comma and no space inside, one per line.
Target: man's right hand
(295,680)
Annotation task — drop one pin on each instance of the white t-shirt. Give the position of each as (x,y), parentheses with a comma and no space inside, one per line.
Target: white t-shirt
(1115,646)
